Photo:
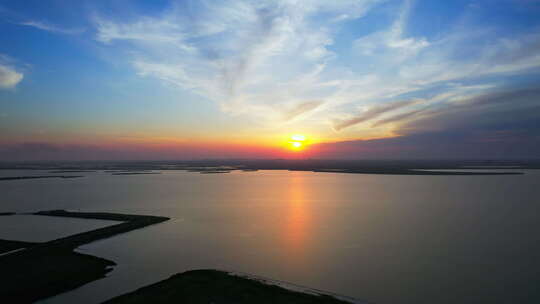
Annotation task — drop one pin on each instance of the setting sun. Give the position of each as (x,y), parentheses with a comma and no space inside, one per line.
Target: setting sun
(297,142)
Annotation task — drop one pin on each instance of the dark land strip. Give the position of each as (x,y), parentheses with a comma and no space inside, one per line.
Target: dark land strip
(72,171)
(9,245)
(396,167)
(39,176)
(46,269)
(212,171)
(392,171)
(135,173)
(214,286)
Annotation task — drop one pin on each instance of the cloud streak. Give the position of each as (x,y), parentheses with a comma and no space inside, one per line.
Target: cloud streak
(51,28)
(244,55)
(9,76)
(301,108)
(371,113)
(278,61)
(503,109)
(488,126)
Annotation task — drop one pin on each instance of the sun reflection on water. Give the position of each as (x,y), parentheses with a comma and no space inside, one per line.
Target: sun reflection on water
(297,221)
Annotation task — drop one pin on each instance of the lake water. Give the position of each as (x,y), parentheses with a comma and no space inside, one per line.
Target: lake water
(36,228)
(382,238)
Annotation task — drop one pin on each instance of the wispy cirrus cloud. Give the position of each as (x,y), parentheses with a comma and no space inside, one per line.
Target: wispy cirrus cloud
(392,39)
(279,60)
(495,125)
(371,113)
(300,109)
(44,26)
(242,54)
(506,109)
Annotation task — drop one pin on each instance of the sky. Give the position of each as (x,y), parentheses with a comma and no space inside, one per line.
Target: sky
(364,79)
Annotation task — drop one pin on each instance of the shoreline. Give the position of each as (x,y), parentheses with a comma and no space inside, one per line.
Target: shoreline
(389,167)
(42,270)
(216,286)
(36,177)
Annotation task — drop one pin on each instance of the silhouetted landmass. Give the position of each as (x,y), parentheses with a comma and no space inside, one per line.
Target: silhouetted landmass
(213,286)
(50,268)
(402,167)
(130,222)
(9,245)
(210,169)
(37,273)
(34,177)
(126,170)
(7,213)
(398,171)
(213,171)
(134,173)
(71,171)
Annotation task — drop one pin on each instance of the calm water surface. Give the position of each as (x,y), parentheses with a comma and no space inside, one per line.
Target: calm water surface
(36,228)
(381,238)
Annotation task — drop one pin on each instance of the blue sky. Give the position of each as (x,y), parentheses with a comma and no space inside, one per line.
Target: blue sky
(363,73)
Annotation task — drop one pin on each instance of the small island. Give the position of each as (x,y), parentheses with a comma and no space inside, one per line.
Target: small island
(214,286)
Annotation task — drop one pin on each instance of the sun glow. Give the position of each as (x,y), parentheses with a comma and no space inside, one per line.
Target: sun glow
(297,142)
(298,137)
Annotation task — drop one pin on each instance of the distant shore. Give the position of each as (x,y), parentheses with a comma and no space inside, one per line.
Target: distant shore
(391,167)
(40,176)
